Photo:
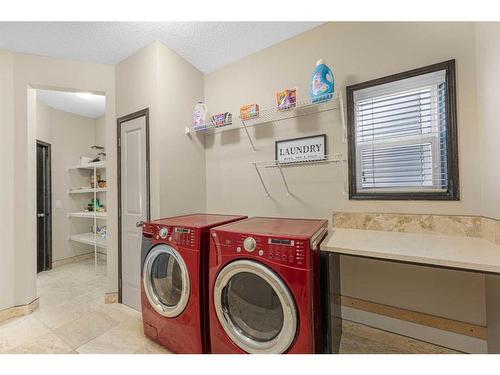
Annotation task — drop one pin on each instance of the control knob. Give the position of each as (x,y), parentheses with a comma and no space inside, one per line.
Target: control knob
(249,244)
(163,233)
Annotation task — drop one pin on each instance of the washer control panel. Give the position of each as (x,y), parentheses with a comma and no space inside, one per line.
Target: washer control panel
(176,235)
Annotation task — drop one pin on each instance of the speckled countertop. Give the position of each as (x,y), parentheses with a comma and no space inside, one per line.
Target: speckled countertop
(468,253)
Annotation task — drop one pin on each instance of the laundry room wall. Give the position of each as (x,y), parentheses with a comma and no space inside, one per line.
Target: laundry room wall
(159,79)
(182,159)
(70,136)
(30,72)
(137,89)
(100,131)
(43,122)
(356,52)
(7,249)
(488,82)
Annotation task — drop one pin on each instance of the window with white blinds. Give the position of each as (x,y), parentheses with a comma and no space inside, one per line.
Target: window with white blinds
(400,130)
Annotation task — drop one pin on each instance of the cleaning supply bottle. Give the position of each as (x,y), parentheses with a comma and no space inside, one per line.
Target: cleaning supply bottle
(200,115)
(322,84)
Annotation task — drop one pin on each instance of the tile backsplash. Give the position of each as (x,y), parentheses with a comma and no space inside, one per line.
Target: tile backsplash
(453,225)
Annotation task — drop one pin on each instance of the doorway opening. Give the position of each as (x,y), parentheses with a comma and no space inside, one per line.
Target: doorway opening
(70,128)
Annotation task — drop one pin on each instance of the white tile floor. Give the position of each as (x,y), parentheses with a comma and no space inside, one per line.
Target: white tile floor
(73,318)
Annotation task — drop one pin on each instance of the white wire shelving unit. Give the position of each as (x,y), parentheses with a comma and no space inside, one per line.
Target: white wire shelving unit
(273,115)
(91,238)
(335,159)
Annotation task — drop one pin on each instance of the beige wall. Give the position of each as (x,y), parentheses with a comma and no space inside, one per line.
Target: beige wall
(357,52)
(41,72)
(7,249)
(182,159)
(100,131)
(158,79)
(70,136)
(137,89)
(43,122)
(488,84)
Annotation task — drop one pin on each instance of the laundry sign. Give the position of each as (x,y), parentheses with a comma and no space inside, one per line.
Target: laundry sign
(303,149)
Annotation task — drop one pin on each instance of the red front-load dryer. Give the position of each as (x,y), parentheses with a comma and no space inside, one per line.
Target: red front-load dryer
(264,286)
(174,293)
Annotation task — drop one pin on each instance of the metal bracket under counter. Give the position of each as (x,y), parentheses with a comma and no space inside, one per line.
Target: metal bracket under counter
(467,254)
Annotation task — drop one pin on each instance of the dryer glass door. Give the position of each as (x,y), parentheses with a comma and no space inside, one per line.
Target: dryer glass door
(255,307)
(166,281)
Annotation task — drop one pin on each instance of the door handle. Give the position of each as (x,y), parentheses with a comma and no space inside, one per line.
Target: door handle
(139,224)
(40,215)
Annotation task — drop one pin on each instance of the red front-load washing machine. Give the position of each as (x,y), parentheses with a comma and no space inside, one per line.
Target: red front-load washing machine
(174,293)
(264,286)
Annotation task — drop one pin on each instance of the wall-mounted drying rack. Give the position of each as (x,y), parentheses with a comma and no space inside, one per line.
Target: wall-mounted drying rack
(271,115)
(276,164)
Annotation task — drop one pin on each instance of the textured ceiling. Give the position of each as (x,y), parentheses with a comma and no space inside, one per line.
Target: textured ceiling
(206,45)
(87,105)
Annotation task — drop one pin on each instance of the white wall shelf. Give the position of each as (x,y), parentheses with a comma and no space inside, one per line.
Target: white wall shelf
(272,115)
(88,215)
(87,190)
(97,165)
(89,239)
(211,128)
(337,159)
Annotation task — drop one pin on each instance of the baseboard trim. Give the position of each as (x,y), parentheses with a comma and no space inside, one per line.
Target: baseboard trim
(461,343)
(444,324)
(376,340)
(74,259)
(17,311)
(78,258)
(111,298)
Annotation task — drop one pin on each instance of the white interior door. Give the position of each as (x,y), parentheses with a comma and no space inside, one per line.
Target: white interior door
(134,206)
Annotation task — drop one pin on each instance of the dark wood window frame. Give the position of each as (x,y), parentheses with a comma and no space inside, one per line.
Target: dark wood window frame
(453,189)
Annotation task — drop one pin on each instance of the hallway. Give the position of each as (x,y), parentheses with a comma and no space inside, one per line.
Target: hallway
(72,318)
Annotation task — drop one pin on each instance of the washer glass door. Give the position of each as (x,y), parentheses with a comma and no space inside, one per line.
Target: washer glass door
(166,281)
(255,307)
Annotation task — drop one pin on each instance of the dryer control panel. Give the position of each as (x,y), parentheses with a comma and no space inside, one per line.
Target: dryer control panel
(286,251)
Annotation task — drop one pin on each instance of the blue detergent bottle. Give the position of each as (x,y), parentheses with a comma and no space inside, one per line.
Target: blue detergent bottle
(322,84)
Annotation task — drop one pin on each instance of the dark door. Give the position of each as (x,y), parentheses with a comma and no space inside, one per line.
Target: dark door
(43,207)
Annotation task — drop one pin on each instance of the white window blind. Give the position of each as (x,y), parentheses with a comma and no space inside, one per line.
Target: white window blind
(400,131)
